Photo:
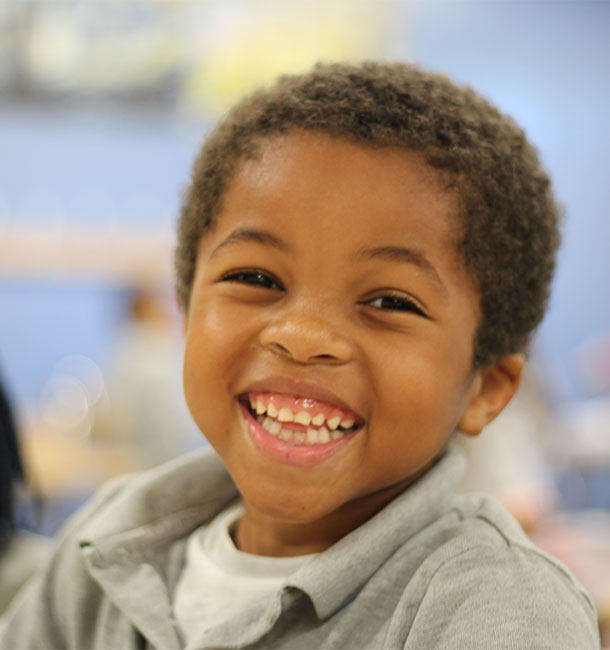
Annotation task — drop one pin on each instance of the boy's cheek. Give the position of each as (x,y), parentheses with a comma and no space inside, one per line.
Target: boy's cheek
(215,349)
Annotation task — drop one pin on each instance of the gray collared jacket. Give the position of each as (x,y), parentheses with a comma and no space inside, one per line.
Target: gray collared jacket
(431,570)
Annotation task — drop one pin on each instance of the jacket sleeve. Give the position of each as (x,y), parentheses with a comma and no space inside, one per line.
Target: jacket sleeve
(509,598)
(53,608)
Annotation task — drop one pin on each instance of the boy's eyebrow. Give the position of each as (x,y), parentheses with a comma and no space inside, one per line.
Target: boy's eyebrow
(253,235)
(389,253)
(406,256)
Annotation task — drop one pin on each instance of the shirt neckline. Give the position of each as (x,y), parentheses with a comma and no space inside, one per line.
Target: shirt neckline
(216,543)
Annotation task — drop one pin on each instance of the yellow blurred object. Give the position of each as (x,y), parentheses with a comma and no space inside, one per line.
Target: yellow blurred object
(63,466)
(253,47)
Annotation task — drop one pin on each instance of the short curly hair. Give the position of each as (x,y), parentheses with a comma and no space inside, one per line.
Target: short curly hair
(508,217)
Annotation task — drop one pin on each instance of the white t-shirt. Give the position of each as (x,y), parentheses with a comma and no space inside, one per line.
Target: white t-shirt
(219,581)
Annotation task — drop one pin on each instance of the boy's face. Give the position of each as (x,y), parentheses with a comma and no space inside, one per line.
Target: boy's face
(330,284)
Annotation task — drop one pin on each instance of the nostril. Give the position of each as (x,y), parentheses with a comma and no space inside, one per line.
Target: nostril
(278,348)
(305,342)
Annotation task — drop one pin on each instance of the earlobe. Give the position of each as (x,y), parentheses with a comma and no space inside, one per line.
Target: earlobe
(492,389)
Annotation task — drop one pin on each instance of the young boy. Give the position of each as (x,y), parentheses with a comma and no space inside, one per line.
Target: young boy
(362,256)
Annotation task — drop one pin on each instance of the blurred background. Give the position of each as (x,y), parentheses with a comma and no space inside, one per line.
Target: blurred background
(103,105)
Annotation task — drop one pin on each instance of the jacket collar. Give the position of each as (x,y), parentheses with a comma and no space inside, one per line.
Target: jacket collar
(336,575)
(134,547)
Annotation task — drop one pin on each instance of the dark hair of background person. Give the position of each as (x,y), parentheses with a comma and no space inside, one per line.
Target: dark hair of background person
(508,231)
(11,470)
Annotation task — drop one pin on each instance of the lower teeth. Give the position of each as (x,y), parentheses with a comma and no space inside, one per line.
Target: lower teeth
(309,437)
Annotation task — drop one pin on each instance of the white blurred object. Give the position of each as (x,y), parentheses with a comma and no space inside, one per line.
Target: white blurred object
(100,47)
(592,362)
(589,423)
(509,459)
(71,395)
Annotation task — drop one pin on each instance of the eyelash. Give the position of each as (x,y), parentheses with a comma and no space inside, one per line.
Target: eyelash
(253,277)
(397,303)
(264,280)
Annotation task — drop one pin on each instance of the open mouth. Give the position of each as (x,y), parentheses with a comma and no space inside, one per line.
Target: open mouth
(299,420)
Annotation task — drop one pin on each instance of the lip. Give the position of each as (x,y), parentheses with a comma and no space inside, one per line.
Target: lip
(301,388)
(290,454)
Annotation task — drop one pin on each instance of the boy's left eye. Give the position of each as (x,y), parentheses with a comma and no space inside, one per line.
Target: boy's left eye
(253,277)
(391,302)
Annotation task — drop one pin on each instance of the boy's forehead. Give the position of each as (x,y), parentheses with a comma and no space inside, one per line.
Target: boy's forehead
(329,171)
(361,186)
(297,146)
(284,158)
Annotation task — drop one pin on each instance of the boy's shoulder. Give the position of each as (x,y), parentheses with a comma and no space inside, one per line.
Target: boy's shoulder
(143,515)
(84,592)
(480,569)
(478,533)
(193,486)
(128,501)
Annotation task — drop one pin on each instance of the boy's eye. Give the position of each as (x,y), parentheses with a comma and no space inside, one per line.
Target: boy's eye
(391,302)
(253,277)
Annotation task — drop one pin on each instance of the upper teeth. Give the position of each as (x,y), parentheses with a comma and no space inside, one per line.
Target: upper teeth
(303,417)
(318,419)
(284,414)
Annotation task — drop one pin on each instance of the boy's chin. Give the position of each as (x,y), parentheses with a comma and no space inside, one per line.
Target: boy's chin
(313,516)
(301,508)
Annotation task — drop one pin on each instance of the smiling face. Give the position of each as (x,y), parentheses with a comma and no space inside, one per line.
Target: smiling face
(330,290)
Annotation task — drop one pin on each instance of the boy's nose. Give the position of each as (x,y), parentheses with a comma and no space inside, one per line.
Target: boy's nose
(306,339)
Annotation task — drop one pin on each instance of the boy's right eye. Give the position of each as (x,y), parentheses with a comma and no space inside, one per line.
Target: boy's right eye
(254,277)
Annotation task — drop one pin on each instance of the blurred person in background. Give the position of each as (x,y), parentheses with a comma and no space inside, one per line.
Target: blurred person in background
(22,552)
(145,401)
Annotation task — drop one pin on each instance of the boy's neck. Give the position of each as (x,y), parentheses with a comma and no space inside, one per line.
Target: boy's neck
(261,534)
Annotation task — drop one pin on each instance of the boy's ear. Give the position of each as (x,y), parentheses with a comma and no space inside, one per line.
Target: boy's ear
(492,389)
